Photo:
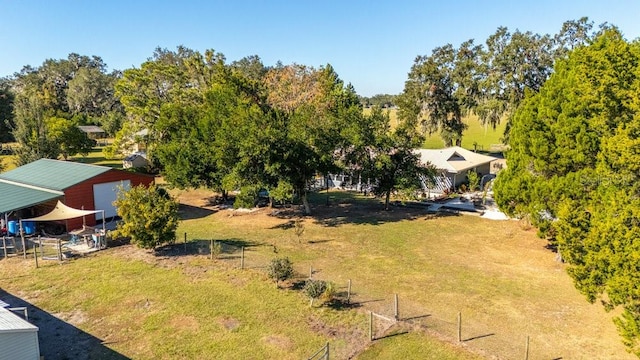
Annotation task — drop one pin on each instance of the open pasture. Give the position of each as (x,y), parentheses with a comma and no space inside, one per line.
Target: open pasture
(179,303)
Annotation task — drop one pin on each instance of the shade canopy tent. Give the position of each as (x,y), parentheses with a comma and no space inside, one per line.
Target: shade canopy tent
(64,212)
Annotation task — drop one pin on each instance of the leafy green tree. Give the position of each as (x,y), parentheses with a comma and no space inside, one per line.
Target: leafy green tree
(573,169)
(251,67)
(6,113)
(311,109)
(169,77)
(431,96)
(514,62)
(380,100)
(396,167)
(72,89)
(31,131)
(574,33)
(387,158)
(149,216)
(280,269)
(91,92)
(69,138)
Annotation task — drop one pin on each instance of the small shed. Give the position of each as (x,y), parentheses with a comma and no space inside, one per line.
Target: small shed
(94,132)
(18,337)
(136,160)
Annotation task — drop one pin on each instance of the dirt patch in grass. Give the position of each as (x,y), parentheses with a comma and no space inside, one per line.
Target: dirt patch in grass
(184,323)
(279,341)
(75,317)
(229,323)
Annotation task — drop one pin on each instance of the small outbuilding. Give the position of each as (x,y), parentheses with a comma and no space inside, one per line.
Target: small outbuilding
(18,337)
(94,132)
(136,160)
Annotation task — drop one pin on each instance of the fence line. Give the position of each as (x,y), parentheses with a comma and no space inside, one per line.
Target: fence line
(451,329)
(387,312)
(323,353)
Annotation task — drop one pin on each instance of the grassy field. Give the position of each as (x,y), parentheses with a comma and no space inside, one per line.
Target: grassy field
(95,157)
(180,304)
(485,137)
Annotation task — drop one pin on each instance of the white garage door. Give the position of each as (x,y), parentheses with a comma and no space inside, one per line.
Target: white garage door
(105,194)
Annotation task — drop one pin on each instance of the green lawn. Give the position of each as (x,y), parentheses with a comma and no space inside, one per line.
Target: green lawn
(500,277)
(95,157)
(484,138)
(477,136)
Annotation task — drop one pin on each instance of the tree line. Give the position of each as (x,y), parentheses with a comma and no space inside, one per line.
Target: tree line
(489,80)
(225,126)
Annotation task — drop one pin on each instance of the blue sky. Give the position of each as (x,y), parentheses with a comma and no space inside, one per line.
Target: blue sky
(371,44)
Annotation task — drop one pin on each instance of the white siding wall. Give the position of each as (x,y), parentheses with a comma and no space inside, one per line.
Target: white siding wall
(19,346)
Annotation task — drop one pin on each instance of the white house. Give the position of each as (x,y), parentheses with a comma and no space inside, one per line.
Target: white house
(454,163)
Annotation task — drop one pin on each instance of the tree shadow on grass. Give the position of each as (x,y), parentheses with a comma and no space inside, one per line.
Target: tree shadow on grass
(346,207)
(318,241)
(479,337)
(290,224)
(229,248)
(342,304)
(392,334)
(189,212)
(60,340)
(414,318)
(358,215)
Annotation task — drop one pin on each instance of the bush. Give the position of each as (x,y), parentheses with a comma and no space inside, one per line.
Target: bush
(283,193)
(149,216)
(474,180)
(246,198)
(316,289)
(280,269)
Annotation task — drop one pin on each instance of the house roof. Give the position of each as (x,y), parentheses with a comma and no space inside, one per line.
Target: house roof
(453,159)
(136,155)
(52,174)
(15,196)
(11,323)
(91,129)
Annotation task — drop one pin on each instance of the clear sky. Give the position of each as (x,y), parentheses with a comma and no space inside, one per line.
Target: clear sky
(371,44)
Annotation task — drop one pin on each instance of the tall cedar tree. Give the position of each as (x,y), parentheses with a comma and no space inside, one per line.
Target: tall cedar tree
(574,169)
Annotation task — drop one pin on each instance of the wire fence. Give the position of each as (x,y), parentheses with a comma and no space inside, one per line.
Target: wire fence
(390,315)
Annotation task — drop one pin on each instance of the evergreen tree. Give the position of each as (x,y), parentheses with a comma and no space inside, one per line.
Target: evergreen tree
(574,169)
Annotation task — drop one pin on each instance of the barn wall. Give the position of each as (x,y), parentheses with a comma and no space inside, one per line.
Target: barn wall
(81,195)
